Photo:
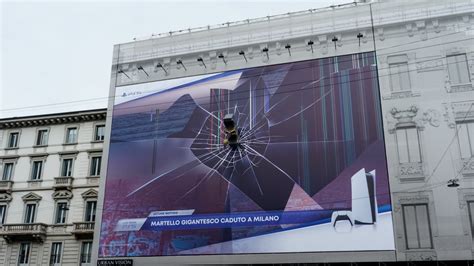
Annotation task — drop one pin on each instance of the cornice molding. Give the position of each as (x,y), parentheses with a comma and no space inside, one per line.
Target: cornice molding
(31,197)
(53,119)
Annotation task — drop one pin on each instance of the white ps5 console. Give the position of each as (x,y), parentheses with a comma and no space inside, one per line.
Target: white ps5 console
(364,202)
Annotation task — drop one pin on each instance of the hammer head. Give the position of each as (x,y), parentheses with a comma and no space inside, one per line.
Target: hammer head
(229,122)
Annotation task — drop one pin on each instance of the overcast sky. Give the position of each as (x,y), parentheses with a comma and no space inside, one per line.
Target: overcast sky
(55,52)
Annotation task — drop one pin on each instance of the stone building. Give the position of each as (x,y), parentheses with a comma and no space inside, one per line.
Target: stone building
(50,167)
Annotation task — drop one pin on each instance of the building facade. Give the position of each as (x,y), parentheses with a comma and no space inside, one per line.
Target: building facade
(425,62)
(50,167)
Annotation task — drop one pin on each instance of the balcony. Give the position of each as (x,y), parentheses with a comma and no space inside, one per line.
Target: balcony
(6,186)
(83,230)
(63,182)
(24,232)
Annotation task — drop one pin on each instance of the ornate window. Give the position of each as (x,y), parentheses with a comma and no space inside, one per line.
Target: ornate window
(67,166)
(99,133)
(42,137)
(36,170)
(470,208)
(7,173)
(71,135)
(408,145)
(397,76)
(466,138)
(86,252)
(13,140)
(458,69)
(3,213)
(91,206)
(62,198)
(61,213)
(30,213)
(416,222)
(399,73)
(56,250)
(415,213)
(31,207)
(24,253)
(407,125)
(460,117)
(90,201)
(96,162)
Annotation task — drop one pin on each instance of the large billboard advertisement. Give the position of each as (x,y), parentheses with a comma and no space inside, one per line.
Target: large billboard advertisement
(279,158)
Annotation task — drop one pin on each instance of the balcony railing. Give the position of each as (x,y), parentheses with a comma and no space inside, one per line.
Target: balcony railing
(83,229)
(63,182)
(6,186)
(24,232)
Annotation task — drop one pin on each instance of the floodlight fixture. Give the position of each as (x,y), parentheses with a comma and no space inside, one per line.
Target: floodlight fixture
(359,36)
(288,47)
(179,62)
(334,40)
(311,43)
(242,53)
(265,50)
(122,72)
(221,56)
(162,67)
(141,68)
(200,60)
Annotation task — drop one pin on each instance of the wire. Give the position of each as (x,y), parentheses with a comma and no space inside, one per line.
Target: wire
(431,186)
(269,87)
(397,52)
(451,143)
(378,49)
(330,85)
(116,107)
(432,172)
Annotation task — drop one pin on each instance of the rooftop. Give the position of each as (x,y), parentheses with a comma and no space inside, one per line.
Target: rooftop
(55,118)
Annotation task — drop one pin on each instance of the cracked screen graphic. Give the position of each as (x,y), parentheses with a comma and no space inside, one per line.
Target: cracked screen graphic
(260,160)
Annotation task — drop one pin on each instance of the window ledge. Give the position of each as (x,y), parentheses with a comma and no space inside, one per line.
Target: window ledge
(70,144)
(401,95)
(97,141)
(40,146)
(453,88)
(421,254)
(12,148)
(414,250)
(73,153)
(34,181)
(93,176)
